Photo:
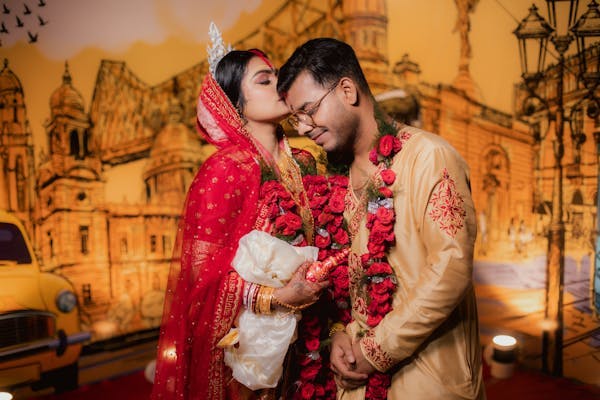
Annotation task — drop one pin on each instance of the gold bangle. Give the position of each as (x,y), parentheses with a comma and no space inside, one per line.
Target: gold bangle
(335,328)
(265,296)
(291,307)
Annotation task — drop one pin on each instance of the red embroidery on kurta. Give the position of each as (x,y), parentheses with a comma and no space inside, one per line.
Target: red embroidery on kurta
(447,206)
(374,353)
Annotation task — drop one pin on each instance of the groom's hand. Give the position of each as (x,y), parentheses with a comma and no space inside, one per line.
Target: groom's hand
(362,364)
(298,291)
(344,362)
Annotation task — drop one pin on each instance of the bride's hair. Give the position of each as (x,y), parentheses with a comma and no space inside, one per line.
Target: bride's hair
(230,72)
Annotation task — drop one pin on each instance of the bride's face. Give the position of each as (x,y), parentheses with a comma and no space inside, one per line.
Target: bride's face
(259,90)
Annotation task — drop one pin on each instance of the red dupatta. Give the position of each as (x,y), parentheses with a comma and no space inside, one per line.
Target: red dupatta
(203,293)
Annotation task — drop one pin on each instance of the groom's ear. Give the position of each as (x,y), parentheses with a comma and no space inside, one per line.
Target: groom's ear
(350,91)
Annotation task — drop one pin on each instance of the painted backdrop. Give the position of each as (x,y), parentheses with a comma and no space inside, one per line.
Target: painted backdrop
(97,106)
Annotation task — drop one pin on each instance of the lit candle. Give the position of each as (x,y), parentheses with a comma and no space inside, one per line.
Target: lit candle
(504,349)
(504,356)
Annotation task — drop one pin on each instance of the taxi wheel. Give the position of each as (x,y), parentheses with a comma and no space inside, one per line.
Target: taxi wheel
(64,379)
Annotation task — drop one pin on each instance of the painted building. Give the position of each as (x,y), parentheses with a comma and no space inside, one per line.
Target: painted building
(109,192)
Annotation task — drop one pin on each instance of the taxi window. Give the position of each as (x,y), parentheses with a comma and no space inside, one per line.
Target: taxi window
(12,245)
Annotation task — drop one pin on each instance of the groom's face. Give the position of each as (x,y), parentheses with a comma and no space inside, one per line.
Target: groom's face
(320,112)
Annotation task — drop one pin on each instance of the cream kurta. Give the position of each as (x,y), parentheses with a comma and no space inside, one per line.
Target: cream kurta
(430,339)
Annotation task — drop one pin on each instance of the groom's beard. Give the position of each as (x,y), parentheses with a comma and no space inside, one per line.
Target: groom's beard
(343,155)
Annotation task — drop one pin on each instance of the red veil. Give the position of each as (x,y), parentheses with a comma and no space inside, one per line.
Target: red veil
(204,294)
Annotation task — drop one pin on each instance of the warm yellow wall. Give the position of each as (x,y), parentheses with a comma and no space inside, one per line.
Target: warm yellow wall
(423,29)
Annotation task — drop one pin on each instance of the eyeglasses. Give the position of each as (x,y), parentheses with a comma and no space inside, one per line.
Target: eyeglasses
(306,116)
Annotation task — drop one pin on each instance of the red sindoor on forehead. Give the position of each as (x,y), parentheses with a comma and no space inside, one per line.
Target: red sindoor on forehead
(261,55)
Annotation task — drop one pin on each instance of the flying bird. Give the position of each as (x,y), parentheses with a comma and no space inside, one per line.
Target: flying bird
(3,30)
(6,9)
(42,22)
(19,23)
(27,10)
(32,38)
(42,3)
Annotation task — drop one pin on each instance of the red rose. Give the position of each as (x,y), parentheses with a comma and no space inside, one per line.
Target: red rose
(390,285)
(271,188)
(374,157)
(305,360)
(338,180)
(379,295)
(330,385)
(341,237)
(324,218)
(377,386)
(386,192)
(312,344)
(397,144)
(379,229)
(372,307)
(378,235)
(338,220)
(385,215)
(316,201)
(340,285)
(382,288)
(388,176)
(371,217)
(379,268)
(374,320)
(315,184)
(287,204)
(384,308)
(288,224)
(322,242)
(339,271)
(364,259)
(336,201)
(376,250)
(319,391)
(307,392)
(316,212)
(310,372)
(386,145)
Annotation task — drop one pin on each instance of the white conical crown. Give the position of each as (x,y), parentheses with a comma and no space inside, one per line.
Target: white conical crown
(218,48)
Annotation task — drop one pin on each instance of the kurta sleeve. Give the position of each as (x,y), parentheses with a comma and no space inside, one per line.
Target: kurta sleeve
(434,264)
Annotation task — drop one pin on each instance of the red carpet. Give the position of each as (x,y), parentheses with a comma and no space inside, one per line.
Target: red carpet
(523,385)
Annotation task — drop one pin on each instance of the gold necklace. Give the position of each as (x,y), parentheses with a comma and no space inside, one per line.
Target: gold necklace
(291,179)
(357,206)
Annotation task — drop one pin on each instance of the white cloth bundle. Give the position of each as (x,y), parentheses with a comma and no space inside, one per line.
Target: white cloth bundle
(263,340)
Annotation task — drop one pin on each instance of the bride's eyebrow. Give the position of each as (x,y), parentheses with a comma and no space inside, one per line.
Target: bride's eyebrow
(263,71)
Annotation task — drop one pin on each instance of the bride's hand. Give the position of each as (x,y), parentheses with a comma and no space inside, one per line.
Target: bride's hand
(299,292)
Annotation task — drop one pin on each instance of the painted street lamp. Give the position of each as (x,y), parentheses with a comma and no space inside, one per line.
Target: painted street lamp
(533,33)
(587,31)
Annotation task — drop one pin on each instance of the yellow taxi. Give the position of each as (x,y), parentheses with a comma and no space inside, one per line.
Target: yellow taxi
(40,335)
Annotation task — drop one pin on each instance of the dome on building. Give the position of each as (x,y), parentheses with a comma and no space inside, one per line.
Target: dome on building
(66,99)
(8,80)
(174,144)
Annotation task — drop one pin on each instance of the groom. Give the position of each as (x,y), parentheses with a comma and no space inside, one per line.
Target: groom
(414,329)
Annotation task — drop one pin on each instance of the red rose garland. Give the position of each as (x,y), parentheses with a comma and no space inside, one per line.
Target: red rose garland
(327,202)
(379,275)
(283,218)
(326,197)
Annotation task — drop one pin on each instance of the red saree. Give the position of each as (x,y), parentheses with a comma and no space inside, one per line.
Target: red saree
(204,293)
